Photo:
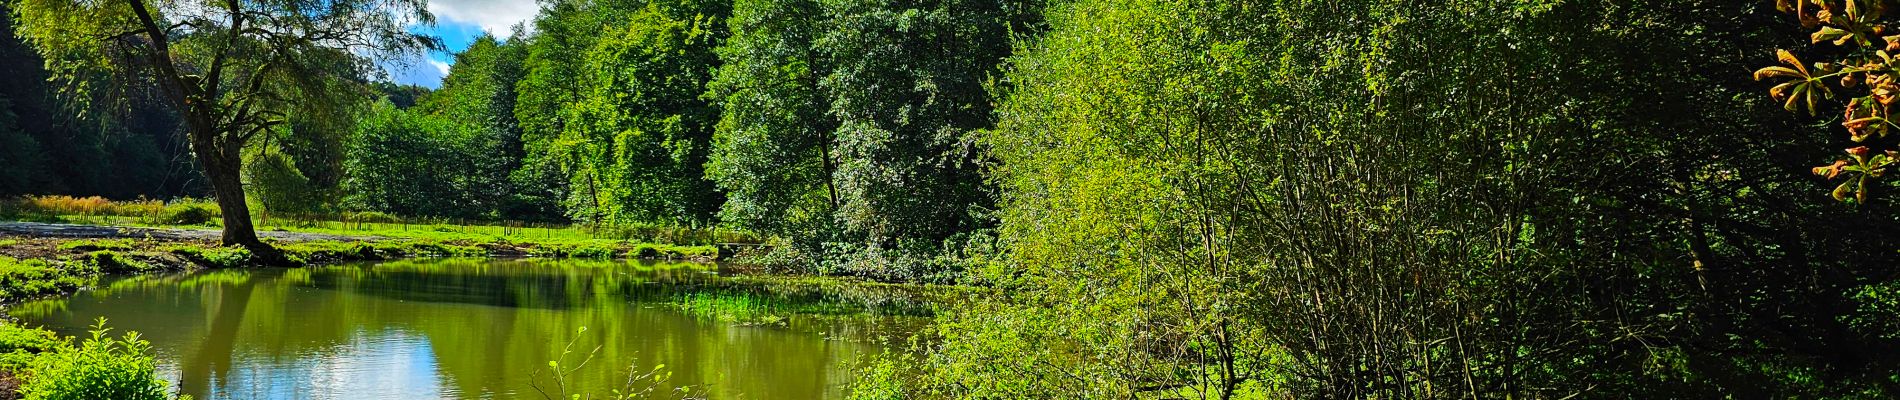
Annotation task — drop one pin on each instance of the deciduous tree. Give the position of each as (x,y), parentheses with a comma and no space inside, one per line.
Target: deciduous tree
(232,69)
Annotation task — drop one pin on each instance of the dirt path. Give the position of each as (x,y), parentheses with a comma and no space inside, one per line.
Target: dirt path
(43,230)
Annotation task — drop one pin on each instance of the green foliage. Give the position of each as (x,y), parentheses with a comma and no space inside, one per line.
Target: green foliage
(638,133)
(100,367)
(480,88)
(28,278)
(408,163)
(888,377)
(274,180)
(97,244)
(848,126)
(592,251)
(191,214)
(20,345)
(730,308)
(50,144)
(772,147)
(1875,310)
(1377,200)
(112,262)
(214,257)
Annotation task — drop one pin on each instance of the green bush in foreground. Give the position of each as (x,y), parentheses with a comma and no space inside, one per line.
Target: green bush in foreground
(100,367)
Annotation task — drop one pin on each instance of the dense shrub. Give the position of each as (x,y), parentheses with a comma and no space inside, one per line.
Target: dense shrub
(1373,199)
(192,214)
(99,367)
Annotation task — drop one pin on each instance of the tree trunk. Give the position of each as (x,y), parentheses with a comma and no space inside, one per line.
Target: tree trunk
(223,166)
(228,187)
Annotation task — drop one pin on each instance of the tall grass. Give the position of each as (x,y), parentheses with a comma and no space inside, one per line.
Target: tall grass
(95,209)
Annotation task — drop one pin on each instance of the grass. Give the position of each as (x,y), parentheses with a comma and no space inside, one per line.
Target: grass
(97,244)
(731,308)
(198,213)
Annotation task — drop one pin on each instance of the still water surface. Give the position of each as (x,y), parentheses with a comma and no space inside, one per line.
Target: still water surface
(424,329)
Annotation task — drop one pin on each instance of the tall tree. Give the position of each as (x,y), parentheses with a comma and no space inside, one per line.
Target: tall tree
(639,133)
(232,69)
(773,149)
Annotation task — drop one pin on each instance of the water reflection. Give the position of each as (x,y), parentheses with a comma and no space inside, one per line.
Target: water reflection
(478,329)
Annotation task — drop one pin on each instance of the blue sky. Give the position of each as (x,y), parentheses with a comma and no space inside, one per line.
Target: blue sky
(458,22)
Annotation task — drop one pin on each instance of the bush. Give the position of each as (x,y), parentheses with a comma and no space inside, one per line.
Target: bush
(592,251)
(192,214)
(98,368)
(216,257)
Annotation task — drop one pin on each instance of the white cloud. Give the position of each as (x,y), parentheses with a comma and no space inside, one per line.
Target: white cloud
(494,16)
(440,66)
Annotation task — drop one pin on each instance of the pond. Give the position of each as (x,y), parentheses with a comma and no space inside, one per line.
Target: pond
(417,329)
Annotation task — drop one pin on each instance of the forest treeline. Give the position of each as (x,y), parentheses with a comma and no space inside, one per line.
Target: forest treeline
(1192,198)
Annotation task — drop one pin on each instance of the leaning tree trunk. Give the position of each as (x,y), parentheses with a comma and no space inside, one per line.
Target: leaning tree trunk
(228,186)
(223,166)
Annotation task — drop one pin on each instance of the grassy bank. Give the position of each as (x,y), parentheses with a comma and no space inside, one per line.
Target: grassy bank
(41,266)
(203,214)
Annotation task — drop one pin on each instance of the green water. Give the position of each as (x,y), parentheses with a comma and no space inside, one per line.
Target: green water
(487,329)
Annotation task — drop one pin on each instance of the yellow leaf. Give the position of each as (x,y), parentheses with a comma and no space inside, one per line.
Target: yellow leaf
(1788,58)
(1777,72)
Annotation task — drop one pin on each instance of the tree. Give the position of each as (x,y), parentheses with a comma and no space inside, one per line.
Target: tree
(773,149)
(563,33)
(481,89)
(907,89)
(1372,199)
(849,125)
(638,135)
(406,162)
(231,69)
